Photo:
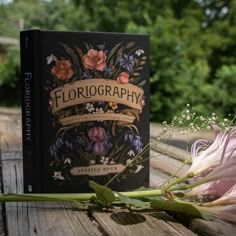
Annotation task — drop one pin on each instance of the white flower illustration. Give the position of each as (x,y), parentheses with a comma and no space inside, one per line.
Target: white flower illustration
(92,162)
(67,161)
(131,153)
(57,175)
(139,52)
(50,59)
(139,167)
(89,107)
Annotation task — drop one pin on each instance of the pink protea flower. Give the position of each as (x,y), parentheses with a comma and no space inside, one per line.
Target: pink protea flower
(221,150)
(226,212)
(228,198)
(215,189)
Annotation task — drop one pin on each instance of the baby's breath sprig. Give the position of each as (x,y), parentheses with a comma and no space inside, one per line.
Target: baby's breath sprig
(188,121)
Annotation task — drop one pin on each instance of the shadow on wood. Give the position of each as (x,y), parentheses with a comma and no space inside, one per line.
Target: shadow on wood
(127,218)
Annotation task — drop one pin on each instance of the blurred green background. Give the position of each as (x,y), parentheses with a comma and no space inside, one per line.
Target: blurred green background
(193,46)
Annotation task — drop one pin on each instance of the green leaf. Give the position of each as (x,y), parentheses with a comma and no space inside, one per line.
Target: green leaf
(142,83)
(103,193)
(171,205)
(130,44)
(73,56)
(113,50)
(132,202)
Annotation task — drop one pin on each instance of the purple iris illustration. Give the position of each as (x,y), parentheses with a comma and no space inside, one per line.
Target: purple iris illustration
(99,144)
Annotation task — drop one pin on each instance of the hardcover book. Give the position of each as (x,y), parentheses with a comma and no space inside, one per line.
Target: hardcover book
(85,110)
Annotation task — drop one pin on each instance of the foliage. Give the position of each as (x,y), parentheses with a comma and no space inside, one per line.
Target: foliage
(192,44)
(9,68)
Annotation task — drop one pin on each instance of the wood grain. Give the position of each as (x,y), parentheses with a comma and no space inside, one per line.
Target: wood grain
(53,218)
(213,228)
(129,224)
(34,218)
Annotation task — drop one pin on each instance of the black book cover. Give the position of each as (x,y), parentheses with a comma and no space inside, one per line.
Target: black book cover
(85,110)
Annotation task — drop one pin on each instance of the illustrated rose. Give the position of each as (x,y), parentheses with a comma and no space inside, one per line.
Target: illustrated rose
(97,134)
(62,70)
(95,59)
(123,78)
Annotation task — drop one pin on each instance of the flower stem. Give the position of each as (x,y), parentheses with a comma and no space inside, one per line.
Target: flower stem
(177,181)
(71,197)
(186,186)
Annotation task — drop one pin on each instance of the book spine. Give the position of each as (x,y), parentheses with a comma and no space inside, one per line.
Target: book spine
(29,73)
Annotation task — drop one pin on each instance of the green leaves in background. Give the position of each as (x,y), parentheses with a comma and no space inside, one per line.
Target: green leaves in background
(192,47)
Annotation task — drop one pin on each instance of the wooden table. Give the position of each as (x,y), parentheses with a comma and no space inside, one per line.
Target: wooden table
(59,218)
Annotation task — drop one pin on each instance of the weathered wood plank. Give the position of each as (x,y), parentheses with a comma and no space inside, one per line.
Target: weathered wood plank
(213,228)
(40,218)
(171,151)
(167,164)
(35,218)
(129,224)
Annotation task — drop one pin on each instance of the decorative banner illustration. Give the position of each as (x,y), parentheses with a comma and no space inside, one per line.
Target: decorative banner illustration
(93,117)
(97,170)
(85,91)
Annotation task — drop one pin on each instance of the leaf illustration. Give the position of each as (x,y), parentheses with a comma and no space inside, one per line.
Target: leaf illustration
(119,54)
(103,193)
(87,46)
(136,74)
(129,45)
(142,63)
(73,56)
(139,68)
(141,84)
(113,50)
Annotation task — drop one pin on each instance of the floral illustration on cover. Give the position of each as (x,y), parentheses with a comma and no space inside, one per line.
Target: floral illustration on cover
(102,141)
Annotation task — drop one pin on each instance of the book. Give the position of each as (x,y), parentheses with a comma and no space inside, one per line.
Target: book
(85,110)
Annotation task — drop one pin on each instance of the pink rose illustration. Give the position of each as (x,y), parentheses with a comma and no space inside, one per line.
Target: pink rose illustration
(123,78)
(62,70)
(95,59)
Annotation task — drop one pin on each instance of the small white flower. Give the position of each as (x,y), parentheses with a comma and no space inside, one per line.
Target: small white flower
(67,161)
(50,59)
(92,162)
(131,153)
(112,162)
(99,110)
(50,102)
(106,161)
(57,175)
(128,162)
(143,102)
(139,167)
(89,107)
(139,52)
